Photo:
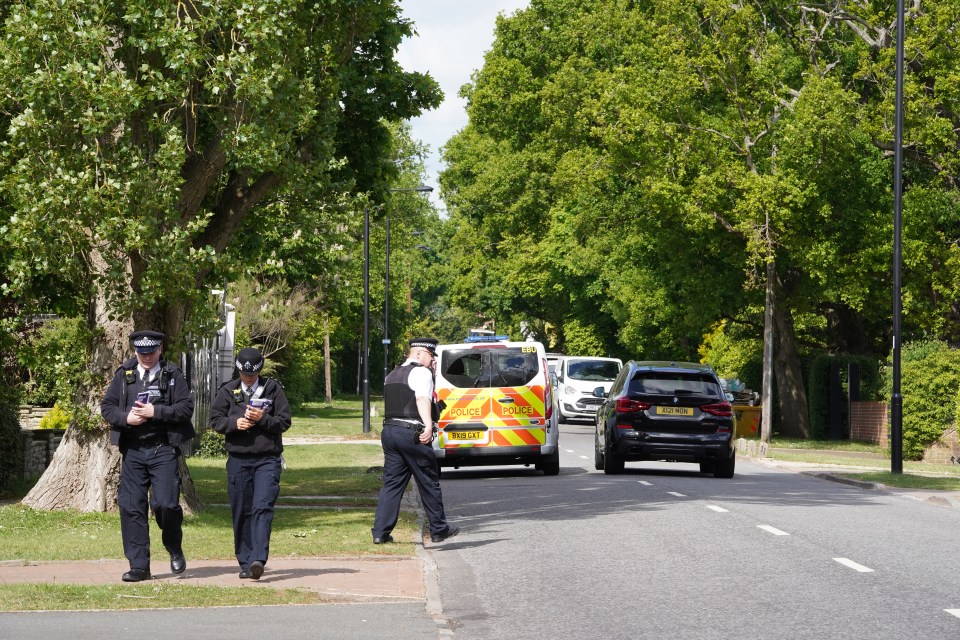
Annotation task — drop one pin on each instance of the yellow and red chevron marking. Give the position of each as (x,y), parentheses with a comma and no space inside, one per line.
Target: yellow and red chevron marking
(464,405)
(518,437)
(508,424)
(501,437)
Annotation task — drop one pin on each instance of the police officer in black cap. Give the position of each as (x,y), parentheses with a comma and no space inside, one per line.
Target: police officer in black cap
(149,408)
(252,412)
(407,432)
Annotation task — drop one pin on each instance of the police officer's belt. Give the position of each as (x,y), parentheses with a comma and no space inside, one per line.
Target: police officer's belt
(147,442)
(392,422)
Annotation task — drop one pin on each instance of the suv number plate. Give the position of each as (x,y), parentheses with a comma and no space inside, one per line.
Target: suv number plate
(674,411)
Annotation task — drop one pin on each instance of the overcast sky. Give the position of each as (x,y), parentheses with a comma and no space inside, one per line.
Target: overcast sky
(452,37)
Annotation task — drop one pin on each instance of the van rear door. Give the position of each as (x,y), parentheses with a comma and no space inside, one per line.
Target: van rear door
(495,395)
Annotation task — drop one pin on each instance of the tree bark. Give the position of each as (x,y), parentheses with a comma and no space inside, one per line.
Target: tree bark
(328,385)
(84,474)
(766,385)
(794,414)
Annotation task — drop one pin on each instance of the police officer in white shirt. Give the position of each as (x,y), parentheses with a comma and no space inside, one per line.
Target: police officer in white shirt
(407,433)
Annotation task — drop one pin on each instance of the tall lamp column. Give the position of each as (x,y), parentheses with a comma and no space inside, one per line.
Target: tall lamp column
(386,304)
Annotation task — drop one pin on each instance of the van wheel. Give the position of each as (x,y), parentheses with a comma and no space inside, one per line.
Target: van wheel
(550,465)
(724,468)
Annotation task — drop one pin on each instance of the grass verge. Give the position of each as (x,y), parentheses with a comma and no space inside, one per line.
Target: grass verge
(66,597)
(874,459)
(328,493)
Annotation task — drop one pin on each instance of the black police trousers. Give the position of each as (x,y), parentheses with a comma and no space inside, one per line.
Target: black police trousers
(142,469)
(253,485)
(402,457)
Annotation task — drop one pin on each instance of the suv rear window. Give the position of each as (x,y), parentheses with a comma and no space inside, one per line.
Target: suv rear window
(497,367)
(674,383)
(598,370)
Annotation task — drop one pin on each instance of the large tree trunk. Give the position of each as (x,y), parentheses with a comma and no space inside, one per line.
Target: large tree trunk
(85,471)
(794,415)
(82,476)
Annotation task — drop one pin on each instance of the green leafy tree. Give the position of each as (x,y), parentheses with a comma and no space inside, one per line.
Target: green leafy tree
(142,136)
(658,167)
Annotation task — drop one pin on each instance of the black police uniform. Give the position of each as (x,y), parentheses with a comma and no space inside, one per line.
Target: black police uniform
(403,456)
(150,456)
(253,465)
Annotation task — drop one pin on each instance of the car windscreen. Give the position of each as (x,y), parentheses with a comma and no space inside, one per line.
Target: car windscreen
(674,383)
(593,370)
(494,367)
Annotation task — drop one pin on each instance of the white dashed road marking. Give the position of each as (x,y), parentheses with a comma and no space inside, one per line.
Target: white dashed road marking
(585,457)
(679,495)
(645,483)
(569,450)
(772,530)
(847,562)
(953,612)
(716,508)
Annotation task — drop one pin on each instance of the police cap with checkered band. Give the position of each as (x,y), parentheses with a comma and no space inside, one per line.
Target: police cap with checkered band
(249,360)
(146,341)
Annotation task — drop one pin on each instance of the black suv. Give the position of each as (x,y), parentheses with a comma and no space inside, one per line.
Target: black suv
(673,411)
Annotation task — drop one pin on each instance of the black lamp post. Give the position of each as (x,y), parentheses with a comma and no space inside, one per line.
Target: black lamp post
(896,398)
(386,303)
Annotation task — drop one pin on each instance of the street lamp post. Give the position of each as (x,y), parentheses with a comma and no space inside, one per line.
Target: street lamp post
(896,398)
(386,303)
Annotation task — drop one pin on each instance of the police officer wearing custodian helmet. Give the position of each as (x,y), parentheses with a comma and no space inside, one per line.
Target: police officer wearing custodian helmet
(252,412)
(407,432)
(149,408)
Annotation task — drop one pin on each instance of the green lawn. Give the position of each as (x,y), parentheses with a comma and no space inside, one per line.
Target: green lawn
(333,485)
(343,419)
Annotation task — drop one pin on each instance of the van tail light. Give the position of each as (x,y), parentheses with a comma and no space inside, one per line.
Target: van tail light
(722,409)
(628,405)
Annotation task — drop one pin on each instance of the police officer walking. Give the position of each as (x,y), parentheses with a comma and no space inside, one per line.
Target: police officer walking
(149,408)
(252,412)
(407,433)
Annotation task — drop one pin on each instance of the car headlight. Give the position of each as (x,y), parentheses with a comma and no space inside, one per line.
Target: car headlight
(569,391)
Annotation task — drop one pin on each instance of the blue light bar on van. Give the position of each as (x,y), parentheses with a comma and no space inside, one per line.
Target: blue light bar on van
(487,339)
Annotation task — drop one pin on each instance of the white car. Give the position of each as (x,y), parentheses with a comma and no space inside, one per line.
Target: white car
(577,377)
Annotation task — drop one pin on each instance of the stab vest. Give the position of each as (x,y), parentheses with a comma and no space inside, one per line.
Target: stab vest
(399,401)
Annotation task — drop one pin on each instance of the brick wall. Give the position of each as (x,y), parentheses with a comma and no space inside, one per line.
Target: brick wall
(869,422)
(946,451)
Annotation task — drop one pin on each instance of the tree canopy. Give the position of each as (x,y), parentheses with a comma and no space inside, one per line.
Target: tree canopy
(634,165)
(141,136)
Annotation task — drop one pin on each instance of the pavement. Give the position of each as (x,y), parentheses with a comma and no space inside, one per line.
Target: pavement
(336,579)
(396,579)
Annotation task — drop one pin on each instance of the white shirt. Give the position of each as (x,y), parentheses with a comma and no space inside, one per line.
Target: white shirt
(420,380)
(153,372)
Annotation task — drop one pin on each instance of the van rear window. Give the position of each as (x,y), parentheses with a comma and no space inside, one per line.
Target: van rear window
(593,370)
(499,367)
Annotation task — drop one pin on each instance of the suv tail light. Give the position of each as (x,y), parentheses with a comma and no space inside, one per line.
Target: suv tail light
(628,405)
(721,409)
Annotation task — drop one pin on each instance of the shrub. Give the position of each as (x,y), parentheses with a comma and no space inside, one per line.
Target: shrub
(56,418)
(929,382)
(210,444)
(55,358)
(11,445)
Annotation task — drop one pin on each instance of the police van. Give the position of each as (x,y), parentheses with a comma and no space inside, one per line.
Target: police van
(499,406)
